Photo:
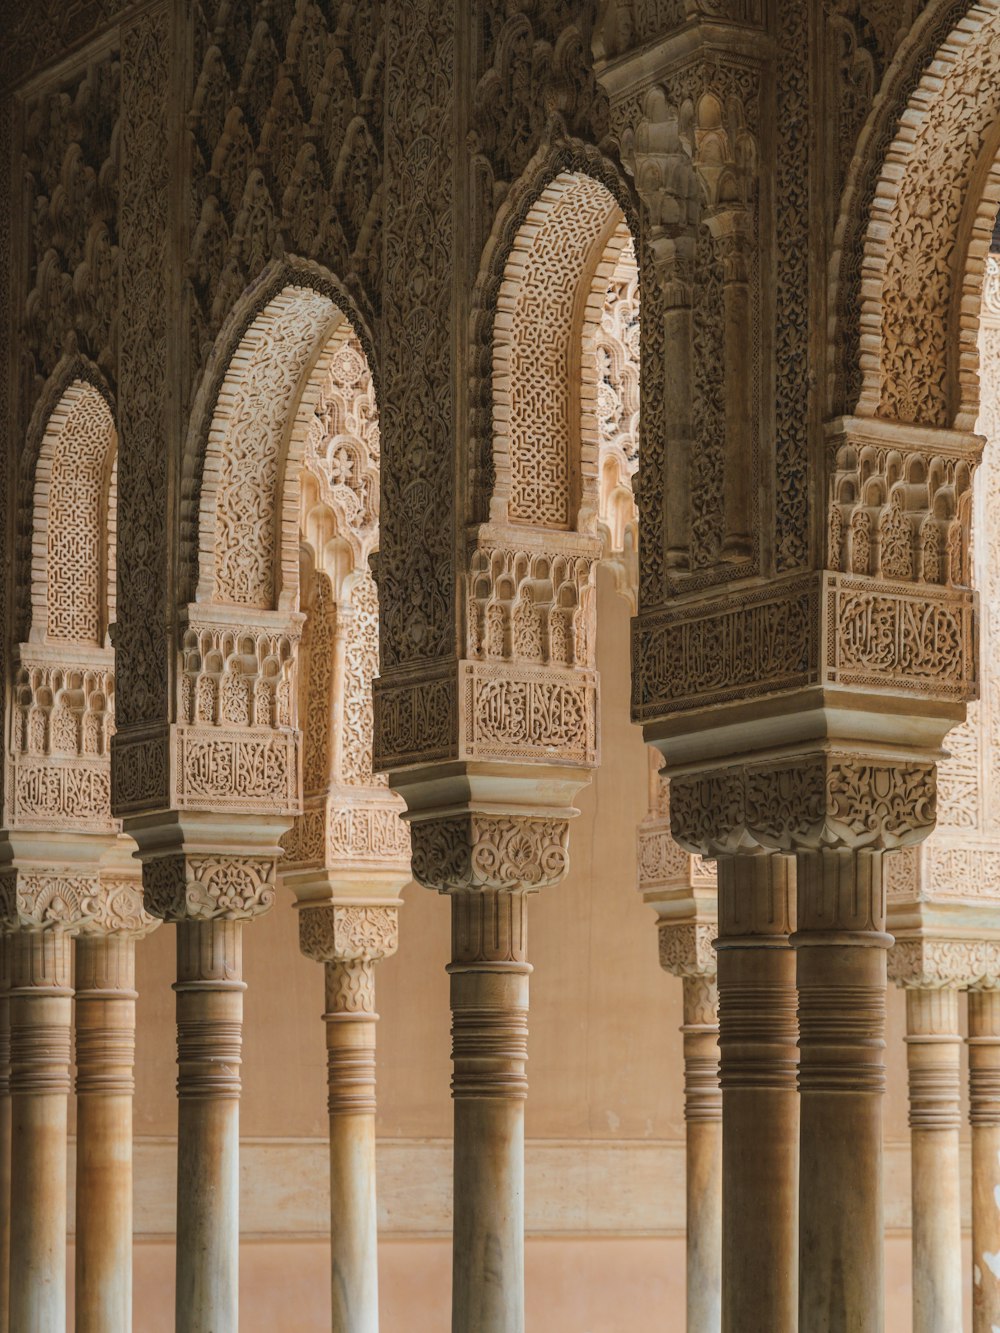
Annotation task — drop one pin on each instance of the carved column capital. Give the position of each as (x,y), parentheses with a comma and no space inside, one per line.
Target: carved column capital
(36,900)
(348,932)
(688,949)
(211,887)
(936,964)
(475,851)
(117,908)
(823,800)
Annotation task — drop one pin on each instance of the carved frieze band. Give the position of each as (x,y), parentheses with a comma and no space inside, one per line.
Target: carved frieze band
(921,640)
(44,792)
(871,634)
(507,711)
(416,719)
(236,769)
(478,851)
(736,647)
(140,770)
(821,800)
(515,712)
(336,834)
(245,768)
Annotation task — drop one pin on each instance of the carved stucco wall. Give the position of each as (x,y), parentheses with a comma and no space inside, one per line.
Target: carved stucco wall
(535,105)
(350,818)
(62,700)
(961,859)
(929,229)
(72,565)
(537,410)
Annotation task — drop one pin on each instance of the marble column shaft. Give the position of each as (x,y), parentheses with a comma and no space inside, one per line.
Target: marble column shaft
(350,1039)
(105,1084)
(984,1117)
(703,1131)
(933,1053)
(40,1031)
(209,1040)
(489,1003)
(841,945)
(757,1035)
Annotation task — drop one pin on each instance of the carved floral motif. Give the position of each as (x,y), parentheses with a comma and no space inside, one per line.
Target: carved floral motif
(835,800)
(208,888)
(348,933)
(476,851)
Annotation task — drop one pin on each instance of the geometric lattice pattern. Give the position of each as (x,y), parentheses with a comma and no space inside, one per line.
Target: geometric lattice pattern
(570,216)
(79,446)
(246,439)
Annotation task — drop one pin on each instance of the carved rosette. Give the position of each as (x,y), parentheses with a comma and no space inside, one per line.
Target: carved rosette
(209,888)
(479,851)
(824,800)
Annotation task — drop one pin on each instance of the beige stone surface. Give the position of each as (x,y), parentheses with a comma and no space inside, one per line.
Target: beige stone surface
(597,1285)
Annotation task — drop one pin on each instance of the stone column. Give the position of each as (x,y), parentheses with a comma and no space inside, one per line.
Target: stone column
(839,810)
(683,890)
(757,1036)
(209,895)
(5,1126)
(703,1131)
(841,945)
(489,1006)
(348,939)
(40,1017)
(209,991)
(105,1059)
(933,1050)
(984,1117)
(488,864)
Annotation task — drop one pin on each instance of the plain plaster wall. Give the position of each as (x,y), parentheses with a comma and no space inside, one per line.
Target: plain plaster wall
(604,1068)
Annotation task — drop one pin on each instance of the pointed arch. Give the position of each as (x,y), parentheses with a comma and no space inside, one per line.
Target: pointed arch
(73,522)
(918,214)
(240,504)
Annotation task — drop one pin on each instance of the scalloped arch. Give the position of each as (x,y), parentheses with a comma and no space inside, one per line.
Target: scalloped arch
(240,500)
(928,228)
